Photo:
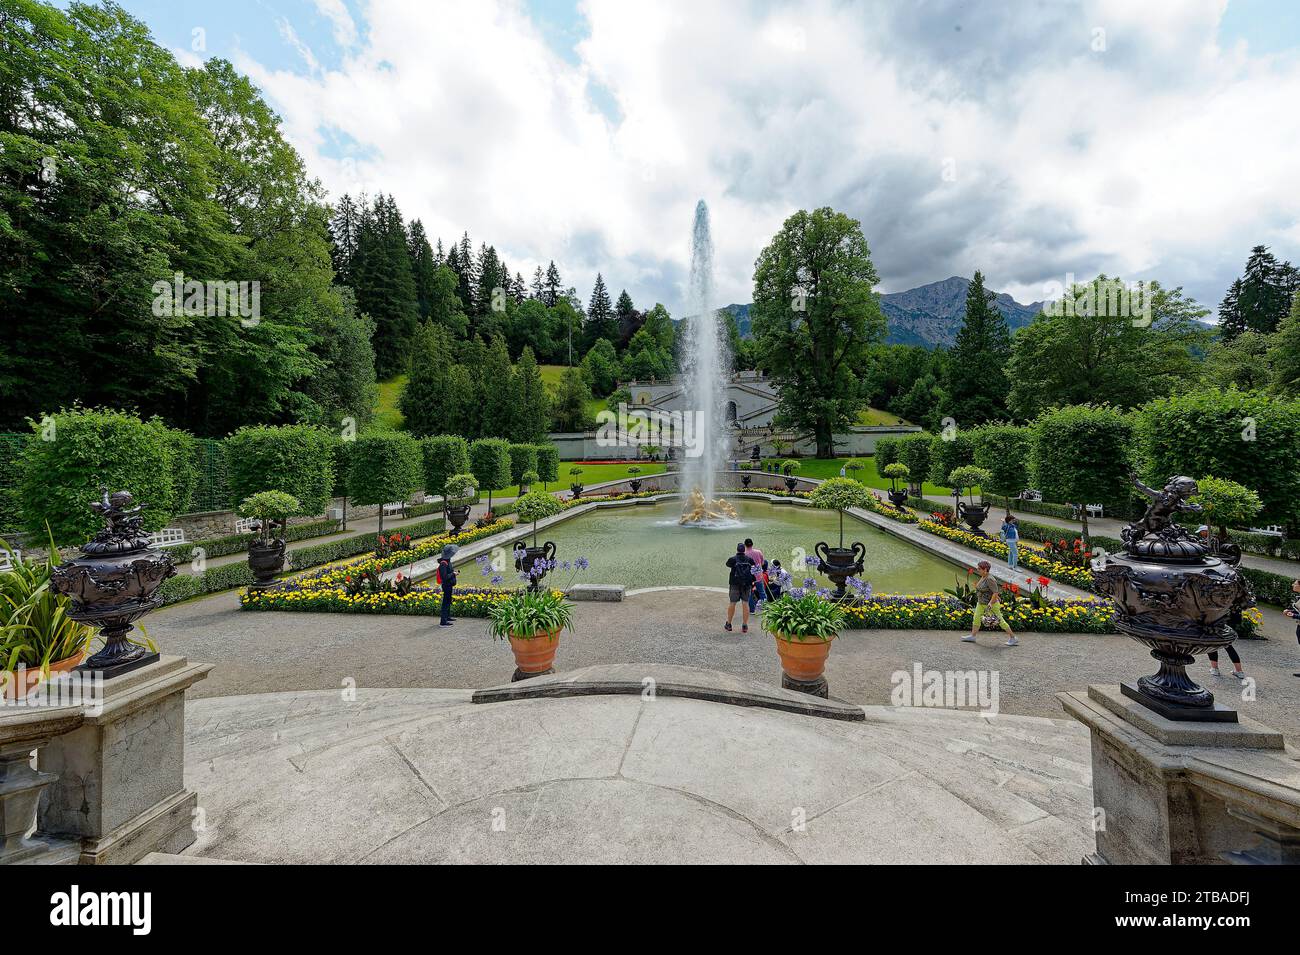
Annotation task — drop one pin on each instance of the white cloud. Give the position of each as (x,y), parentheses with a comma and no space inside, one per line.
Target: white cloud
(1159,155)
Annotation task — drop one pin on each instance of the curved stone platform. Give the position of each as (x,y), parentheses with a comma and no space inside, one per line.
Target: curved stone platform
(427,776)
(654,680)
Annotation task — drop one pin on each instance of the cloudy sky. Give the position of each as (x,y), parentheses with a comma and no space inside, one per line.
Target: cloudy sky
(1033,139)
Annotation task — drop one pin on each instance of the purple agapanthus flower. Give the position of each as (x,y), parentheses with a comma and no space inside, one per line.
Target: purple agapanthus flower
(497,580)
(809,582)
(581,563)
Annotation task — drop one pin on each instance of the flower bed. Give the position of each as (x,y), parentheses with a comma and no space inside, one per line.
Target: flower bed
(943,612)
(1029,556)
(327,589)
(422,600)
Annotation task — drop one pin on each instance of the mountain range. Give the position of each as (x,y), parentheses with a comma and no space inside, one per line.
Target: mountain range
(928,315)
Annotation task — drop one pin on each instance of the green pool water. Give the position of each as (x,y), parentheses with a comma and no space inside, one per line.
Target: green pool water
(644,546)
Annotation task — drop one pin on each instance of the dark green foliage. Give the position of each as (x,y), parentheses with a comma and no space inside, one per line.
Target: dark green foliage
(1081,455)
(69,456)
(977,379)
(952,450)
(886,453)
(1005,452)
(548,463)
(1241,436)
(384,467)
(293,459)
(917,452)
(532,413)
(426,400)
(489,462)
(443,455)
(815,316)
(523,458)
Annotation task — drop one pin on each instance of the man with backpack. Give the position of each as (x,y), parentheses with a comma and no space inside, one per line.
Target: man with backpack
(740,583)
(446,578)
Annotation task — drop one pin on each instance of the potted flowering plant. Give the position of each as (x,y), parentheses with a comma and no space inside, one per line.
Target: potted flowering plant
(898,471)
(636,482)
(576,486)
(532,621)
(266,552)
(967,478)
(803,622)
(788,468)
(839,563)
(460,490)
(533,508)
(37,637)
(527,480)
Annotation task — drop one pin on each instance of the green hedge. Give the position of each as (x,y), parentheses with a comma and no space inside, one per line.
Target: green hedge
(1269,587)
(295,459)
(211,581)
(1029,507)
(238,543)
(930,506)
(11,511)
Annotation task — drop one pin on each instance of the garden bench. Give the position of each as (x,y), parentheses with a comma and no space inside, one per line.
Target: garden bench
(1031,495)
(167,537)
(1095,510)
(246,525)
(394,508)
(7,559)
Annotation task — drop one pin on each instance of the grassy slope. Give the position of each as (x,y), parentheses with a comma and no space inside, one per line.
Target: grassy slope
(387,414)
(591,474)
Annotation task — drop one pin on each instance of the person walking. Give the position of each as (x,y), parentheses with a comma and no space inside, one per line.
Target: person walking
(1010,534)
(447,578)
(740,582)
(988,599)
(758,591)
(1293,611)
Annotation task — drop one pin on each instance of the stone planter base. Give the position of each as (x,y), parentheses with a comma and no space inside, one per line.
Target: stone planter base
(818,687)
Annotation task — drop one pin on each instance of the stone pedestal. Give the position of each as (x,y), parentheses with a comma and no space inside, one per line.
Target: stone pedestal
(1168,792)
(120,788)
(22,730)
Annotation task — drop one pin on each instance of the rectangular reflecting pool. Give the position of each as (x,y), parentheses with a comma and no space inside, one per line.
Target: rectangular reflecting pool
(644,546)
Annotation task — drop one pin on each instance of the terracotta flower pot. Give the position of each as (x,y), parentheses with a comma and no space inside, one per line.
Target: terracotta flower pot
(803,661)
(17,689)
(534,655)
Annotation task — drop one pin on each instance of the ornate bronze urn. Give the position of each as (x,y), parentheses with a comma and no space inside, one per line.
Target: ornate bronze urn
(1173,595)
(840,563)
(457,515)
(898,498)
(114,583)
(533,561)
(974,515)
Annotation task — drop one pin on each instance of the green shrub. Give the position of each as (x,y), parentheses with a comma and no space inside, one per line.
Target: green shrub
(1269,587)
(67,459)
(1081,454)
(887,450)
(385,466)
(443,456)
(967,478)
(950,453)
(11,511)
(523,458)
(293,459)
(238,543)
(915,451)
(1225,503)
(184,468)
(489,462)
(1004,451)
(548,463)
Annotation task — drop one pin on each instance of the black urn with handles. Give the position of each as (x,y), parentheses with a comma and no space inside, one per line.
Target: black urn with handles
(840,563)
(534,561)
(115,582)
(1176,597)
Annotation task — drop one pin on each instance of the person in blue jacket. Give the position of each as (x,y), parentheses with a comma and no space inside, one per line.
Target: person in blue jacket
(1010,534)
(447,577)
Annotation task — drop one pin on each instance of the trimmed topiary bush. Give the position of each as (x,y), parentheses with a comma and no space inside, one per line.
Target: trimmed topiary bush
(916,451)
(548,463)
(443,455)
(523,458)
(385,466)
(71,454)
(886,453)
(1004,451)
(489,462)
(293,459)
(1081,455)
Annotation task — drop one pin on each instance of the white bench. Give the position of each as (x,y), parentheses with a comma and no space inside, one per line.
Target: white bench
(167,537)
(1095,510)
(395,507)
(1031,495)
(1272,530)
(7,559)
(246,525)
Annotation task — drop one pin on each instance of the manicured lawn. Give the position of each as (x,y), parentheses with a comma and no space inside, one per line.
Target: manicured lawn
(387,414)
(591,474)
(825,468)
(876,417)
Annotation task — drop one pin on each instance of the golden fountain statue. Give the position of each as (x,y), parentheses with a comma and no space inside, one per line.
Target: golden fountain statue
(698,509)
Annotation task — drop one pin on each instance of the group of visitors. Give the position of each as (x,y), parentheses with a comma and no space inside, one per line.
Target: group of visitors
(750,581)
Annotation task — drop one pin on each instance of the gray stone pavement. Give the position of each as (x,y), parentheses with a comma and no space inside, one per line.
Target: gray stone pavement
(425,776)
(260,652)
